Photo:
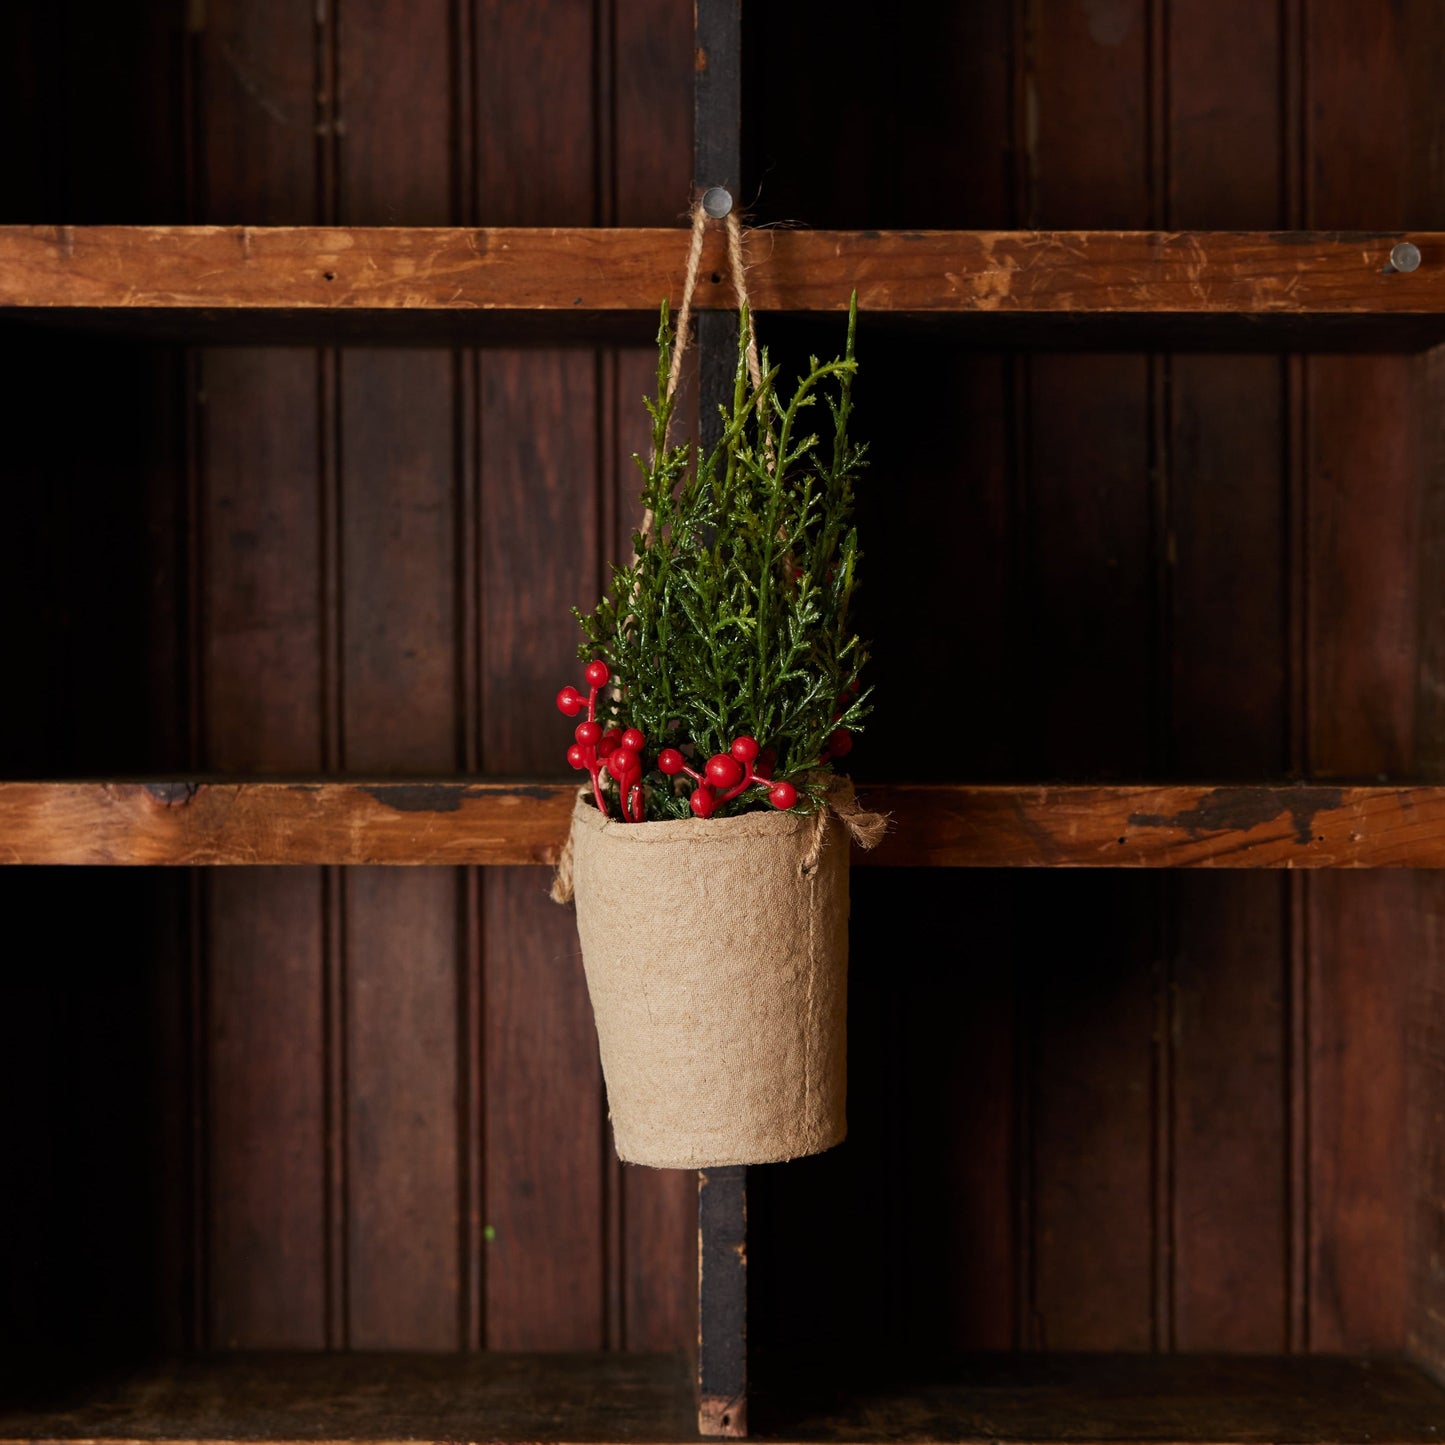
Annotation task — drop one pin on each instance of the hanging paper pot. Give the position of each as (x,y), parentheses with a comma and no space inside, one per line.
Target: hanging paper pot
(722,1020)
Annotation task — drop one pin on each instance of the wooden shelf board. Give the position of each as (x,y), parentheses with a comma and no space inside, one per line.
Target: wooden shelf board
(1070,276)
(1172,1400)
(309,821)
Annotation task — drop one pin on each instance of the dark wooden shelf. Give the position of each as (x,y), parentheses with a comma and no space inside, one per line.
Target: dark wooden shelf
(939,825)
(1263,1400)
(1047,287)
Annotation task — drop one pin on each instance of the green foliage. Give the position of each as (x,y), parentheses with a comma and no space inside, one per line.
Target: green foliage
(733,619)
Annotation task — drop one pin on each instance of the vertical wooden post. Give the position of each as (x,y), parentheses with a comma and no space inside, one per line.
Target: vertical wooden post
(722,1301)
(722,1293)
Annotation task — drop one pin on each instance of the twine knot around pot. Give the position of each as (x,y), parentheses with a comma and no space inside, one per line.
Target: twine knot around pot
(716,955)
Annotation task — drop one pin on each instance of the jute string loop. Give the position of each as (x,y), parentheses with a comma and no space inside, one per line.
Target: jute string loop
(737,265)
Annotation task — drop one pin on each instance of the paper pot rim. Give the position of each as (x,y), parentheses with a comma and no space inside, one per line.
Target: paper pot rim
(772,823)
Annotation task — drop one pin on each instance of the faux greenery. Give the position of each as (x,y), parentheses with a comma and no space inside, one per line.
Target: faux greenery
(733,619)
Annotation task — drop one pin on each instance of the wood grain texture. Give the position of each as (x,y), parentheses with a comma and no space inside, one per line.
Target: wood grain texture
(270,1155)
(545,1128)
(264,1228)
(1365,483)
(1090,481)
(944,825)
(577,270)
(722,1302)
(395,420)
(1221,534)
(1184,1400)
(1426,1009)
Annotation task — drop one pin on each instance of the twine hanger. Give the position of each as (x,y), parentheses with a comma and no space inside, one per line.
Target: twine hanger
(710,206)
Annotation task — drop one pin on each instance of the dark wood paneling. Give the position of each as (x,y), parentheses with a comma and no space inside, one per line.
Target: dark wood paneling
(259,83)
(266,1160)
(951,1118)
(1426,1027)
(1223,1182)
(544,1125)
(1228,1144)
(1362,934)
(268,1050)
(535,136)
(1091,1008)
(266,1141)
(395,417)
(1091,578)
(651,109)
(1362,491)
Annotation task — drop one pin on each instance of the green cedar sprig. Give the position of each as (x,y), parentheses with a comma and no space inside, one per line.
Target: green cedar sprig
(733,619)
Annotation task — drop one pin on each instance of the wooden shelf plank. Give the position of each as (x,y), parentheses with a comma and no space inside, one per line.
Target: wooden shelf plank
(581,272)
(292,822)
(1148,1400)
(1281,825)
(934,825)
(1184,1399)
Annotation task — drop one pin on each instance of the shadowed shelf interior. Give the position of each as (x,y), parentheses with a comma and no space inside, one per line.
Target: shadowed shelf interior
(648,1398)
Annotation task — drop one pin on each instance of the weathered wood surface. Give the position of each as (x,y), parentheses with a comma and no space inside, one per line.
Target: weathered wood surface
(586,270)
(722,1301)
(424,823)
(722,1194)
(1262,1400)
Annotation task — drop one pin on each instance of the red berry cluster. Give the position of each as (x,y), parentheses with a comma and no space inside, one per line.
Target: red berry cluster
(618,749)
(726,775)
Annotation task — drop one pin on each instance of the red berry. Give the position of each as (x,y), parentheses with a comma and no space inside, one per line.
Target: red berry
(744,749)
(723,771)
(670,761)
(570,701)
(577,755)
(597,673)
(763,769)
(589,734)
(610,739)
(783,795)
(703,804)
(622,763)
(634,740)
(841,743)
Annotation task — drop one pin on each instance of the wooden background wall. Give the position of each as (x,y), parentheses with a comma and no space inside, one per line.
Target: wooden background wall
(361,1108)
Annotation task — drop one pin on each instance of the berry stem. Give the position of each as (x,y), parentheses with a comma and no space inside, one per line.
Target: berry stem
(741,788)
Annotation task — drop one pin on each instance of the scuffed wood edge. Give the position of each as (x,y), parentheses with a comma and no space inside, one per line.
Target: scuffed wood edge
(932,825)
(580,271)
(212,823)
(1177,826)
